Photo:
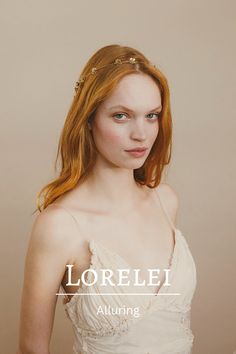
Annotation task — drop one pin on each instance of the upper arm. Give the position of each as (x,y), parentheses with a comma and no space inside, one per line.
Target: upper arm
(46,258)
(171,200)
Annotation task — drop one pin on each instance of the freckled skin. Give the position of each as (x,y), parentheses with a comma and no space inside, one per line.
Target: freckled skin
(113,135)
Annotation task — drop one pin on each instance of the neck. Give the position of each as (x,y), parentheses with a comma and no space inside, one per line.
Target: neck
(114,188)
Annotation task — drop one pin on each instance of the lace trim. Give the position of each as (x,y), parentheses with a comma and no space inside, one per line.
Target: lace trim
(108,330)
(83,287)
(185,322)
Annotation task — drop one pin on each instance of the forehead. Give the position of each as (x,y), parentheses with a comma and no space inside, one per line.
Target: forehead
(135,90)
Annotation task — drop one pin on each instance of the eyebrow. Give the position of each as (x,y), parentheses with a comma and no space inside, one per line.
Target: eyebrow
(130,110)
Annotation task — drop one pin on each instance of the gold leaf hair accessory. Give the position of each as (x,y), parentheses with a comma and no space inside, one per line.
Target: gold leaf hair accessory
(94,70)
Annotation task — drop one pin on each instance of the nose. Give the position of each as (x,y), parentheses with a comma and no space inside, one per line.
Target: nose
(138,131)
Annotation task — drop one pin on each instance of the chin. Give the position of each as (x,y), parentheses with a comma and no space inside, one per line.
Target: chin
(128,164)
(134,165)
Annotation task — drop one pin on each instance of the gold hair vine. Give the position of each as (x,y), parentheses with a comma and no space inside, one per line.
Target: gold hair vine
(94,70)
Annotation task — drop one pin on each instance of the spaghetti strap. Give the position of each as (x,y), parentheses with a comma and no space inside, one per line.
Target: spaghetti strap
(66,298)
(165,212)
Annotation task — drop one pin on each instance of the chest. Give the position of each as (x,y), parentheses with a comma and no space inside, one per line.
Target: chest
(143,241)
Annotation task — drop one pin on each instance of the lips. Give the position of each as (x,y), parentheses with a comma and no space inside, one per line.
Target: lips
(138,149)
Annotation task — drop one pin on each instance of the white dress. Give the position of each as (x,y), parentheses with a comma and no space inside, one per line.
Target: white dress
(163,326)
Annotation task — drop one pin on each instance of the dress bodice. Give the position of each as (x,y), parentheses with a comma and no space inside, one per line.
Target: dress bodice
(163,324)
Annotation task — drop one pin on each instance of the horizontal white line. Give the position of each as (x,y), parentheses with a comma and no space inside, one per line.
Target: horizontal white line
(88,294)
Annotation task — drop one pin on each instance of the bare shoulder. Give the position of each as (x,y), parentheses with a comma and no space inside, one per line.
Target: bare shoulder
(169,198)
(50,248)
(54,229)
(169,194)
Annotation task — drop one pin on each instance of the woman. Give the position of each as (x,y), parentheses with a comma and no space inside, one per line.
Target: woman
(109,210)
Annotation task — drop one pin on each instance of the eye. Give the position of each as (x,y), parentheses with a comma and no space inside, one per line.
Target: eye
(156,114)
(118,114)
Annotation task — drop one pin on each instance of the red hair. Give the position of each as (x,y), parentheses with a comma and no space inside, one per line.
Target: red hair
(76,147)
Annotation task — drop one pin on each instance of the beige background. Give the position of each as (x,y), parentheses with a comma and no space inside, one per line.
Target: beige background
(44,46)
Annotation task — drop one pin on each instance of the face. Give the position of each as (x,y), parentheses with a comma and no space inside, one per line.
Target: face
(128,119)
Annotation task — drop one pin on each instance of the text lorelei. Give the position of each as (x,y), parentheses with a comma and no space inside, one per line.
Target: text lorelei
(123,277)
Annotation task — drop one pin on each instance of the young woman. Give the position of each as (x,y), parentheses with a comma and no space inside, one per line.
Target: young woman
(108,209)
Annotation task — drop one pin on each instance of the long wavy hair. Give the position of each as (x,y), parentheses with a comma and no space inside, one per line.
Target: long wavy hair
(76,148)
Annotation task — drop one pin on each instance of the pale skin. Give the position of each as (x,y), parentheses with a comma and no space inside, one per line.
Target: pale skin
(110,208)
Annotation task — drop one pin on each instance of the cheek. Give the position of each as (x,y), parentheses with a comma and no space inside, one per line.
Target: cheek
(155,131)
(109,135)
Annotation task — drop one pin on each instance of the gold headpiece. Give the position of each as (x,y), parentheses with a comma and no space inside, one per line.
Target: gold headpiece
(95,69)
